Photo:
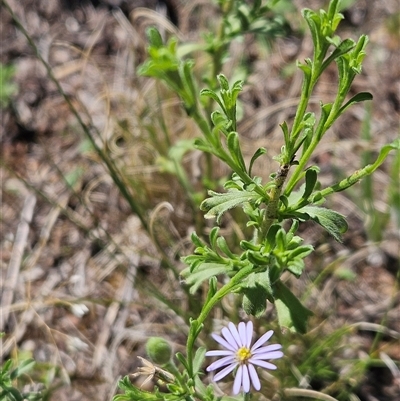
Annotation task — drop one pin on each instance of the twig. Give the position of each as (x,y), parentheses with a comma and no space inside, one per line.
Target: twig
(301,392)
(14,265)
(109,324)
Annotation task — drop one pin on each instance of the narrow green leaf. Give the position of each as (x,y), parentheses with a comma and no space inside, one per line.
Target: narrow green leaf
(285,130)
(235,151)
(188,80)
(213,236)
(247,245)
(314,24)
(343,48)
(204,272)
(360,97)
(223,82)
(310,181)
(198,359)
(196,240)
(179,356)
(7,366)
(271,235)
(24,366)
(17,396)
(333,9)
(154,37)
(223,246)
(237,87)
(259,152)
(212,288)
(210,93)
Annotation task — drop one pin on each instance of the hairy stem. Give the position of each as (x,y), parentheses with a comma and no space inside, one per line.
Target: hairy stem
(273,204)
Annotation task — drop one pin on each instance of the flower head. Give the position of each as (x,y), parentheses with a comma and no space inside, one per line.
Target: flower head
(152,371)
(238,354)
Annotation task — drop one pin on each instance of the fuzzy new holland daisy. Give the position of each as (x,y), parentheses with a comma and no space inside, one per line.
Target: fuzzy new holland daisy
(238,354)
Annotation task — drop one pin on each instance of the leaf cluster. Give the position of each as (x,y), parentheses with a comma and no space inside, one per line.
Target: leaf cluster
(8,378)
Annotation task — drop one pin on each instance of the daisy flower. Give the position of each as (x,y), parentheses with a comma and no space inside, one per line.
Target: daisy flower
(238,354)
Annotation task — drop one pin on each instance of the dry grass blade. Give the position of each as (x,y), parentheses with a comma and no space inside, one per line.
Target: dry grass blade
(14,266)
(111,323)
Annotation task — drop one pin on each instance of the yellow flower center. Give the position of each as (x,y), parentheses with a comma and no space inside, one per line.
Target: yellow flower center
(243,355)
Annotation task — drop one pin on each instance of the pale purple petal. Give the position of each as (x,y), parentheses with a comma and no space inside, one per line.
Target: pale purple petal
(264,338)
(268,355)
(238,380)
(228,335)
(245,379)
(268,348)
(220,363)
(235,334)
(219,352)
(242,333)
(249,333)
(255,381)
(223,342)
(220,375)
(263,364)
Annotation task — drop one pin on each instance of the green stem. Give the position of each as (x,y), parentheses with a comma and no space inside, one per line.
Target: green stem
(355,177)
(300,167)
(301,109)
(271,213)
(349,181)
(306,91)
(226,289)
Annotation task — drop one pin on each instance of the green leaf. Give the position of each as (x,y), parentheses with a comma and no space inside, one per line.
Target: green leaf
(154,37)
(195,326)
(314,25)
(343,48)
(223,246)
(223,82)
(311,180)
(210,93)
(202,144)
(291,313)
(202,273)
(296,267)
(179,356)
(235,151)
(24,366)
(285,130)
(196,240)
(213,236)
(259,152)
(237,87)
(218,204)
(256,289)
(180,148)
(198,360)
(332,221)
(212,288)
(7,365)
(360,97)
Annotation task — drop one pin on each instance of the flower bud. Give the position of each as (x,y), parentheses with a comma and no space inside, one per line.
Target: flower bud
(159,350)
